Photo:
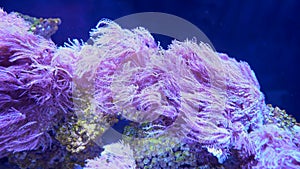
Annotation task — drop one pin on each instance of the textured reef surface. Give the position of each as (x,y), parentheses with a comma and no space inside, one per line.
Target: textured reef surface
(182,107)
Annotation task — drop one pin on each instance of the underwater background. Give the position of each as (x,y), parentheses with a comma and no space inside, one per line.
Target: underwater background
(263,33)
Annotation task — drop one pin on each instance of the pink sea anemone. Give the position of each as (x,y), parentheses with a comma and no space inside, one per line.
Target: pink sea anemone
(275,148)
(201,93)
(116,155)
(33,94)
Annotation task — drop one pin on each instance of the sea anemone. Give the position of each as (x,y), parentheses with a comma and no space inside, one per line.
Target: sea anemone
(116,155)
(34,94)
(275,148)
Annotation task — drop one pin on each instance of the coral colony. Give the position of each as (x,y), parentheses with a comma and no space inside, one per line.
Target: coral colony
(184,107)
